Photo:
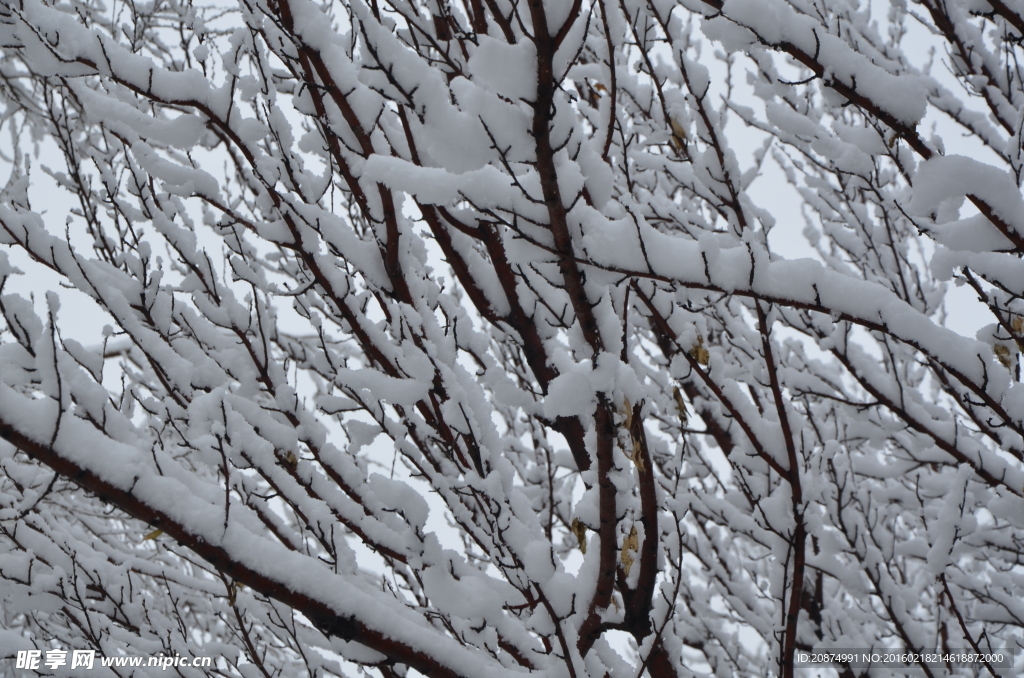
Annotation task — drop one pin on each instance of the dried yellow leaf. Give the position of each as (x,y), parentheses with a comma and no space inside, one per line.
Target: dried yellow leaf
(678,139)
(1002,355)
(638,457)
(579,530)
(700,353)
(627,562)
(680,404)
(627,414)
(153,535)
(629,546)
(233,591)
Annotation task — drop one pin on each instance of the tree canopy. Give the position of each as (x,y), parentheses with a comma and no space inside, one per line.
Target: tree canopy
(450,338)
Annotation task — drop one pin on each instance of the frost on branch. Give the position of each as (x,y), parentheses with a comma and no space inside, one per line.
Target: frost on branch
(453,339)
